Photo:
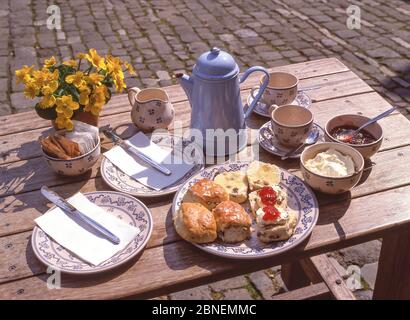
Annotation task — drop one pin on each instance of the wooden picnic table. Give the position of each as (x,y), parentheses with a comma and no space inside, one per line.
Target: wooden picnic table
(377,208)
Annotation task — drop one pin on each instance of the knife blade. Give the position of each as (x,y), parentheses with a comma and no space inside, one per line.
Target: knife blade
(70,209)
(128,146)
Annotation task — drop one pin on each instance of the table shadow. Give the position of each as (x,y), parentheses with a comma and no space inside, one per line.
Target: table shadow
(16,177)
(25,150)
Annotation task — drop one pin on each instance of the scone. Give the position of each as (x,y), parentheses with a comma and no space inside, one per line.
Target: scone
(235,183)
(274,224)
(195,223)
(232,221)
(269,195)
(262,174)
(207,193)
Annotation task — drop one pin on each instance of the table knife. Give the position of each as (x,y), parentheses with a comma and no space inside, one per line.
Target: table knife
(128,146)
(69,209)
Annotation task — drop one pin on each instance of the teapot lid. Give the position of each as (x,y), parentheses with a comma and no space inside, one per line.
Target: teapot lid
(215,64)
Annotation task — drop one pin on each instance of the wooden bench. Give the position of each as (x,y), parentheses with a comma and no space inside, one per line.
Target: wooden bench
(313,278)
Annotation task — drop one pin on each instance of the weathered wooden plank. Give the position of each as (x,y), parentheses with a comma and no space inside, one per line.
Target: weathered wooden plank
(119,103)
(23,145)
(28,175)
(393,280)
(331,277)
(18,211)
(175,263)
(312,292)
(29,120)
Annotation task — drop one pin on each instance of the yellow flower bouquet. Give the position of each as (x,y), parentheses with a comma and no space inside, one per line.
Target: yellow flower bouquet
(65,89)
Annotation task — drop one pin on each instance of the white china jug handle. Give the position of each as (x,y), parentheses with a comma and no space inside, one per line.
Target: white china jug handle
(261,89)
(132,92)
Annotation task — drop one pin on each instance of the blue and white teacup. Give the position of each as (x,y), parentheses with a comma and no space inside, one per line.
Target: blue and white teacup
(282,89)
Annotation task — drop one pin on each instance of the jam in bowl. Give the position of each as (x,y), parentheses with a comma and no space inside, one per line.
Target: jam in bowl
(367,142)
(345,134)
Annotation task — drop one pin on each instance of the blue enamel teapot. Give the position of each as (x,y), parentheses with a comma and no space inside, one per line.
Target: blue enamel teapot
(214,94)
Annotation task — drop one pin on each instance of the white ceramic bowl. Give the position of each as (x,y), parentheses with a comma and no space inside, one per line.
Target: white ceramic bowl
(75,166)
(355,120)
(332,185)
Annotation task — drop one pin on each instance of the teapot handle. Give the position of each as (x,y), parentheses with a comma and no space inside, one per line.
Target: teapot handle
(261,89)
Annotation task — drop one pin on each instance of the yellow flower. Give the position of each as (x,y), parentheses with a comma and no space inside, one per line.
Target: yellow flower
(50,88)
(84,87)
(31,90)
(129,67)
(47,102)
(77,79)
(66,105)
(40,77)
(113,64)
(71,63)
(95,78)
(64,123)
(97,100)
(84,98)
(96,60)
(80,55)
(119,82)
(55,75)
(23,74)
(50,62)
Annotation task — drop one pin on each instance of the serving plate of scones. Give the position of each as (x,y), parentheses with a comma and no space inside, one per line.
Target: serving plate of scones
(244,210)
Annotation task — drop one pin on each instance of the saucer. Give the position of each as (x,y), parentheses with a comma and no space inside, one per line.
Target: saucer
(267,141)
(262,109)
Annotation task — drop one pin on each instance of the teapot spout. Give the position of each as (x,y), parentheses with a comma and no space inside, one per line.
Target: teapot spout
(186,82)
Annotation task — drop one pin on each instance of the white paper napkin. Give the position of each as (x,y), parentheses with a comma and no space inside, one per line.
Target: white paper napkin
(74,235)
(137,169)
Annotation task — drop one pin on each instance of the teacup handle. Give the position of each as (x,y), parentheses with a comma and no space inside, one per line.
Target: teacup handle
(132,92)
(271,108)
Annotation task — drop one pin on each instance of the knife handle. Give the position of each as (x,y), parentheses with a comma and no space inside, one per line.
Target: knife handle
(57,199)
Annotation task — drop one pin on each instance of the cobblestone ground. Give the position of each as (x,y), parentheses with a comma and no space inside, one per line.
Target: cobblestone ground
(163,37)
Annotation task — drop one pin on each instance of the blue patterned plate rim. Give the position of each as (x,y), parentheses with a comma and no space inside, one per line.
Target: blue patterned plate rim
(108,265)
(282,246)
(146,192)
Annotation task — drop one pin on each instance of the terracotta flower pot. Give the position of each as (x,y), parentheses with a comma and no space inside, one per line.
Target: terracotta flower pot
(83,116)
(87,117)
